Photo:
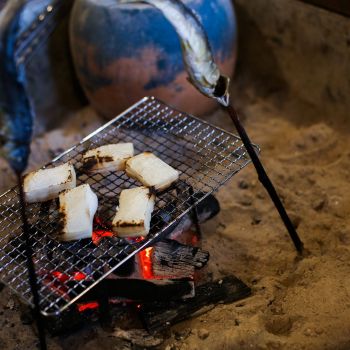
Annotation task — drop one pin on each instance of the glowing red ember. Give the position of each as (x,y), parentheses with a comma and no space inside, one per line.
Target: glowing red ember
(145,258)
(98,234)
(102,230)
(88,306)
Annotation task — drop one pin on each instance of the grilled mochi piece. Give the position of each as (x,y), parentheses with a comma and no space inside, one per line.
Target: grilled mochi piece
(108,157)
(133,216)
(151,171)
(45,184)
(77,209)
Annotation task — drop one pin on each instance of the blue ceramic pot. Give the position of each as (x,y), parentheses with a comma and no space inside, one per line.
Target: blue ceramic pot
(124,52)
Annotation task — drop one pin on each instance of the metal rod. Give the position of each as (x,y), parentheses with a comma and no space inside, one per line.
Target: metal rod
(194,214)
(104,310)
(265,180)
(30,266)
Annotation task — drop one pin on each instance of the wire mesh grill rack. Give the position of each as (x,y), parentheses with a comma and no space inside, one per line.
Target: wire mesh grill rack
(206,157)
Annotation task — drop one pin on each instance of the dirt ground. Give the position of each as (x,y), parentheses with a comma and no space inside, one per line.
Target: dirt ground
(297,303)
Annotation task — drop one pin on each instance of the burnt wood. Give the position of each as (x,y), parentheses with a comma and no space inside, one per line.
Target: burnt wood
(141,290)
(171,258)
(160,315)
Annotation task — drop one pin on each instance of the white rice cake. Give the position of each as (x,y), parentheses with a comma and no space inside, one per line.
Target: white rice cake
(108,157)
(45,184)
(151,171)
(77,209)
(133,216)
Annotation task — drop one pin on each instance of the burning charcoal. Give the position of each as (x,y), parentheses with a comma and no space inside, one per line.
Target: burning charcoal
(171,258)
(159,315)
(87,257)
(67,284)
(46,184)
(81,250)
(65,254)
(113,250)
(112,246)
(108,157)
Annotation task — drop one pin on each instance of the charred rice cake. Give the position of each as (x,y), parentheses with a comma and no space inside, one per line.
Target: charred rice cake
(133,216)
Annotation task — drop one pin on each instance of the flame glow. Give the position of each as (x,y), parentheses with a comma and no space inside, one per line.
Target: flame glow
(145,258)
(98,234)
(88,306)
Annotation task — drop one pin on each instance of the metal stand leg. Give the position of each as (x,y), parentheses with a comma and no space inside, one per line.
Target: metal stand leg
(31,270)
(104,310)
(194,213)
(265,180)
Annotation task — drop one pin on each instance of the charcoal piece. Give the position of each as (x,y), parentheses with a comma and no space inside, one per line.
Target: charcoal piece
(140,290)
(160,315)
(127,269)
(171,258)
(72,319)
(68,321)
(79,252)
(79,247)
(206,209)
(164,215)
(87,255)
(113,250)
(110,247)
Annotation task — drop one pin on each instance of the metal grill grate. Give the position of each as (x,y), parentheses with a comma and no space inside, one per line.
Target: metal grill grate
(206,157)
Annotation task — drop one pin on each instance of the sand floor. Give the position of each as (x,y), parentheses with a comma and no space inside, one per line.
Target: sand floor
(297,303)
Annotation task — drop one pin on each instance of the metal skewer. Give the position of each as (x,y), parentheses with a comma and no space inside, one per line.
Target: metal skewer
(205,76)
(264,179)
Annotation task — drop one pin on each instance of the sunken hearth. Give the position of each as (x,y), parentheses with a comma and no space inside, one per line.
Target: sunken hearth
(160,286)
(159,278)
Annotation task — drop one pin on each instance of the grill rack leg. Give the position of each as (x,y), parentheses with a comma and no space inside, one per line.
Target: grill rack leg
(105,316)
(194,213)
(31,269)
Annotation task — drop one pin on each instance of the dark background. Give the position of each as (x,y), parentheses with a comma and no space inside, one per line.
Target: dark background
(340,6)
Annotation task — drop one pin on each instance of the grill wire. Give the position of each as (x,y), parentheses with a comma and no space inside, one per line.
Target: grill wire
(206,157)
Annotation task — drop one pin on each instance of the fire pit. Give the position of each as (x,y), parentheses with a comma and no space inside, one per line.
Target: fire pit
(70,272)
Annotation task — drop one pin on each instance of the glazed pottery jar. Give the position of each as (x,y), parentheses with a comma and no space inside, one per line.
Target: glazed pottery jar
(124,52)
